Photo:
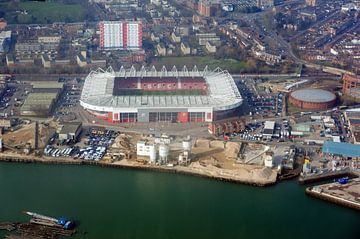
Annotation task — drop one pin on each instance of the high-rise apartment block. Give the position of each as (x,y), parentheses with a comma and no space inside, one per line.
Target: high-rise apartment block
(123,35)
(311,3)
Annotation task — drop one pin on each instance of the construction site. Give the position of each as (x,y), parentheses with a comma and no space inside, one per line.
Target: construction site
(29,137)
(232,161)
(204,157)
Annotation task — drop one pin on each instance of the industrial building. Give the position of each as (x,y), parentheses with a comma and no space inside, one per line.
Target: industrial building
(6,123)
(70,131)
(351,86)
(158,151)
(38,104)
(123,35)
(42,98)
(149,95)
(341,149)
(312,99)
(353,119)
(268,130)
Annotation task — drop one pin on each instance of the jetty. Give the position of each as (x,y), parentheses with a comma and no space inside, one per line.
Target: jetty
(306,179)
(342,192)
(39,227)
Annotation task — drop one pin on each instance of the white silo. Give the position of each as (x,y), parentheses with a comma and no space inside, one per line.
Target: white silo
(187,145)
(152,153)
(163,153)
(268,161)
(1,145)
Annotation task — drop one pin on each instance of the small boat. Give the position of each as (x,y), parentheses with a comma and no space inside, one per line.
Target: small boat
(343,180)
(50,221)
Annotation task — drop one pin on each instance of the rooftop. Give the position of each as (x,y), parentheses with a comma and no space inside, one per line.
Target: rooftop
(269,125)
(37,101)
(97,93)
(313,95)
(70,128)
(47,84)
(344,149)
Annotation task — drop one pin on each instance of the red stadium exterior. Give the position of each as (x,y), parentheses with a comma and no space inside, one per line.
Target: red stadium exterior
(160,96)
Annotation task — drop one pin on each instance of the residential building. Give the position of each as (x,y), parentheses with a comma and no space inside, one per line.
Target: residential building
(204,8)
(205,37)
(311,3)
(161,49)
(81,60)
(185,48)
(123,35)
(208,8)
(265,3)
(45,60)
(175,37)
(49,39)
(210,47)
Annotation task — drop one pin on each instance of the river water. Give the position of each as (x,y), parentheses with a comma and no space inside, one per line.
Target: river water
(119,203)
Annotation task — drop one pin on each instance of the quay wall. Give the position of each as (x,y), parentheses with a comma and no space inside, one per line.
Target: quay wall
(333,199)
(20,159)
(326,176)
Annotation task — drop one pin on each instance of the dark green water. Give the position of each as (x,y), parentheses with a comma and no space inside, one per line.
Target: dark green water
(117,203)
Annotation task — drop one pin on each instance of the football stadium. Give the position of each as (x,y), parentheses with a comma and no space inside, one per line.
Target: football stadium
(149,95)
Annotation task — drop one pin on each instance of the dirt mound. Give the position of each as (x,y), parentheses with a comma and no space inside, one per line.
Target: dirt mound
(232,150)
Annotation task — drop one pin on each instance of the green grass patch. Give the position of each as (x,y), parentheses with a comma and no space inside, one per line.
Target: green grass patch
(26,12)
(201,62)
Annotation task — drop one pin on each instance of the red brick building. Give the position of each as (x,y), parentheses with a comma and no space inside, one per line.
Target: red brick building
(351,86)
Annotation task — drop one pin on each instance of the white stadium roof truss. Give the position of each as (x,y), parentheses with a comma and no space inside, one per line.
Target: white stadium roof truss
(97,92)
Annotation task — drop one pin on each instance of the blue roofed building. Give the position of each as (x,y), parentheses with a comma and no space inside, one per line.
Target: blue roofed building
(342,155)
(341,149)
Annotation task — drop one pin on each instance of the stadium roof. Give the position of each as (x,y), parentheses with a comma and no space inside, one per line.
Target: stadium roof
(98,95)
(344,149)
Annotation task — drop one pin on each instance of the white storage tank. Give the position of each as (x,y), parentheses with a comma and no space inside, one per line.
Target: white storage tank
(268,161)
(152,154)
(1,145)
(187,145)
(163,152)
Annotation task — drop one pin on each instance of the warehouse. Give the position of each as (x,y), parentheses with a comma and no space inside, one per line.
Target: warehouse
(42,99)
(38,104)
(268,130)
(70,131)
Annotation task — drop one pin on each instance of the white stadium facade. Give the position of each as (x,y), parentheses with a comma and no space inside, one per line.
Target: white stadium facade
(149,95)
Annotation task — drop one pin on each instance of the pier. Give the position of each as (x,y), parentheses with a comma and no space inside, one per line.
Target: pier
(347,195)
(326,176)
(33,231)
